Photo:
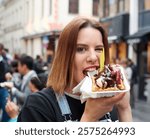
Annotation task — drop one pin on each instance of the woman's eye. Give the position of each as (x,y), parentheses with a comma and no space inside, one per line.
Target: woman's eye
(99,49)
(81,49)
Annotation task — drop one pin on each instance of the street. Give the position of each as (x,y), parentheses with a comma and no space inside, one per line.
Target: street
(141,112)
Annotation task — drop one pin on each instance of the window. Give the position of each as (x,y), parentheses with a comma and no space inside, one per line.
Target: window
(33,6)
(121,6)
(73,6)
(147,4)
(106,8)
(50,7)
(95,7)
(42,10)
(27,11)
(141,5)
(144,5)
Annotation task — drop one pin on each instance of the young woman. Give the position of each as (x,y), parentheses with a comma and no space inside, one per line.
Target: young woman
(78,51)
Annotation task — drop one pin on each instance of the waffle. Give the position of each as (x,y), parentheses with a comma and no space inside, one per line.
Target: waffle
(110,79)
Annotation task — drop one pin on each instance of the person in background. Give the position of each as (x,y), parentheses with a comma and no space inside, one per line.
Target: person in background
(36,85)
(8,55)
(129,73)
(25,68)
(39,65)
(134,71)
(14,76)
(78,50)
(3,90)
(50,56)
(134,95)
(128,70)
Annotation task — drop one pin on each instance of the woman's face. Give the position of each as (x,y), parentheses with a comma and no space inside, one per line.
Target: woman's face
(89,47)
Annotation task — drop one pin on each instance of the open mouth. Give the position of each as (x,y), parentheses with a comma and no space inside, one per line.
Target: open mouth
(91,70)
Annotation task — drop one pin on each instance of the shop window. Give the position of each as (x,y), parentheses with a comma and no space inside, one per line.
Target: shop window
(95,7)
(144,5)
(112,8)
(113,53)
(141,5)
(122,50)
(73,6)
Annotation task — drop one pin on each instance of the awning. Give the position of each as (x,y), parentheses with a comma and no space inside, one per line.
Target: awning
(113,38)
(56,33)
(137,37)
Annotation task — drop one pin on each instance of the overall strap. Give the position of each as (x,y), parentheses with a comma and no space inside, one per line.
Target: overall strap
(64,106)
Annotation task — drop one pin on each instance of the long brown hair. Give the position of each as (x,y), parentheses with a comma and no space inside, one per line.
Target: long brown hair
(61,75)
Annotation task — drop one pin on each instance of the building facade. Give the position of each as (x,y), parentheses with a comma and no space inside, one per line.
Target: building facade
(12,24)
(33,26)
(114,15)
(140,41)
(128,26)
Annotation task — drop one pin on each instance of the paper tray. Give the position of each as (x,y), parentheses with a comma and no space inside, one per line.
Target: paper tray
(85,88)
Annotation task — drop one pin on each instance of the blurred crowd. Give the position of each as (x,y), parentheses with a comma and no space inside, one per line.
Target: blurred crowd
(20,75)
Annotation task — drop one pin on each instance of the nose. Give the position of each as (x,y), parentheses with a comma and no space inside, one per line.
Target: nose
(92,56)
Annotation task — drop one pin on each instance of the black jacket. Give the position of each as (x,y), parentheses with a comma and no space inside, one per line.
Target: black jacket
(4,68)
(43,107)
(2,71)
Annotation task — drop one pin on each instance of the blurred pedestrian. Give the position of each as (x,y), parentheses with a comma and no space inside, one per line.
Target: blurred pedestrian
(3,91)
(36,85)
(134,71)
(39,65)
(134,80)
(129,75)
(128,70)
(25,68)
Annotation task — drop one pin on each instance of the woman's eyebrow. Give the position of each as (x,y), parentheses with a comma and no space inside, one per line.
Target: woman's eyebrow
(81,44)
(99,45)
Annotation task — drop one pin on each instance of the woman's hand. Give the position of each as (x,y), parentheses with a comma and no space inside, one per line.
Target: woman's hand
(124,109)
(97,108)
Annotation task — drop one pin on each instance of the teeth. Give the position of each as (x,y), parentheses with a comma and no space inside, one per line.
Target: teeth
(90,69)
(92,73)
